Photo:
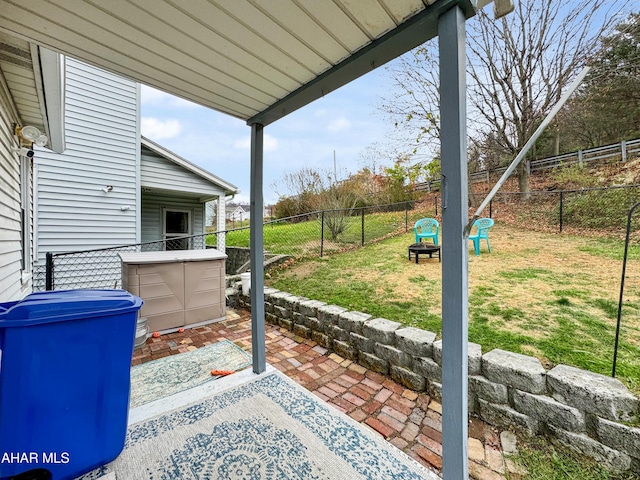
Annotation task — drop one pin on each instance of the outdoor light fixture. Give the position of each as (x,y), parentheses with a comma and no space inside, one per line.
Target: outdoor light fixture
(23,151)
(30,135)
(107,189)
(500,7)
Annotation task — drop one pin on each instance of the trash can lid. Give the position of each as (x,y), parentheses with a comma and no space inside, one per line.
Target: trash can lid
(64,305)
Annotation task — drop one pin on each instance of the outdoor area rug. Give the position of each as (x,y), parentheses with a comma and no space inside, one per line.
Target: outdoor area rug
(175,373)
(268,428)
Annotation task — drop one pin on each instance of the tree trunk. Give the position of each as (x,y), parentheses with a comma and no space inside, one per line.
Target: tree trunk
(523,179)
(473,198)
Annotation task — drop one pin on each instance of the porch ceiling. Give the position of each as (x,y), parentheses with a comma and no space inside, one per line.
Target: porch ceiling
(254,60)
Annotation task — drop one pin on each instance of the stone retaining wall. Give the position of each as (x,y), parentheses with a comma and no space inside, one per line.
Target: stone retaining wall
(583,410)
(236,258)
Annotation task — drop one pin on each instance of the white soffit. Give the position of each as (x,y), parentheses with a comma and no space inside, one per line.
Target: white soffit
(20,72)
(257,60)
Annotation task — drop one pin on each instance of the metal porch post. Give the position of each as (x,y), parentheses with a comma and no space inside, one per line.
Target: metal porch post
(455,214)
(256,247)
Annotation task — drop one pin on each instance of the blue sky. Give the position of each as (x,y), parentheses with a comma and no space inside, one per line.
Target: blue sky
(347,121)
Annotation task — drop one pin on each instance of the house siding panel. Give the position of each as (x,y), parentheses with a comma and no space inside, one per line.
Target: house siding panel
(12,284)
(152,207)
(158,172)
(73,213)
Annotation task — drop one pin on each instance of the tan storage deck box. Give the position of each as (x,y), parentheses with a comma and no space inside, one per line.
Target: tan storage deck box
(180,288)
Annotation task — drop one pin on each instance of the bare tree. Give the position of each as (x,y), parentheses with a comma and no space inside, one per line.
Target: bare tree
(518,67)
(413,107)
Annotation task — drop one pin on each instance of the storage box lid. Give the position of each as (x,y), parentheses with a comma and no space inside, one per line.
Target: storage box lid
(64,305)
(169,256)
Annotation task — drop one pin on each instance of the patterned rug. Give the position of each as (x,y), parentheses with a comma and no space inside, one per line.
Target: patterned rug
(175,373)
(266,429)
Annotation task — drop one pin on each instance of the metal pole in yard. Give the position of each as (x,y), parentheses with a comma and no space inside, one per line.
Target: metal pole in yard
(491,209)
(49,272)
(435,201)
(561,208)
(321,233)
(362,215)
(406,216)
(624,271)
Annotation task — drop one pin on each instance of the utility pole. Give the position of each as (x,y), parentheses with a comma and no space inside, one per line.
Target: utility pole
(335,170)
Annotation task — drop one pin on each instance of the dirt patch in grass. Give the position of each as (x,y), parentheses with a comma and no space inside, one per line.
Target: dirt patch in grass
(302,269)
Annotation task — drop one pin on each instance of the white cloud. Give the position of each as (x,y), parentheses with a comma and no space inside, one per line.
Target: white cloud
(270,143)
(153,97)
(339,125)
(157,129)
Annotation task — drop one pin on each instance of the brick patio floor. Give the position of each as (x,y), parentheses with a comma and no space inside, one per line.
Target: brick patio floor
(409,420)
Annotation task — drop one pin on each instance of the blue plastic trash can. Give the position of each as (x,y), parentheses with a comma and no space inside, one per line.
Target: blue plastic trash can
(65,360)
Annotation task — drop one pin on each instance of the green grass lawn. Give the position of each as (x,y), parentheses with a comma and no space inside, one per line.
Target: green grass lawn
(550,296)
(305,239)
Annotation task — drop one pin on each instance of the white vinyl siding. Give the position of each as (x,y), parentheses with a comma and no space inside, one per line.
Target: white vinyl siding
(152,211)
(13,285)
(163,174)
(102,148)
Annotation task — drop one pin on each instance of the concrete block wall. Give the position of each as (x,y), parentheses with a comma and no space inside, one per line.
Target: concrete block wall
(591,413)
(236,258)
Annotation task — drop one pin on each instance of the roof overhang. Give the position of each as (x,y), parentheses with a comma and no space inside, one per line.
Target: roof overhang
(34,79)
(228,188)
(257,61)
(418,29)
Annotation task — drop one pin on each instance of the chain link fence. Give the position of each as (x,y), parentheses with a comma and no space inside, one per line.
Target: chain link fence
(312,234)
(101,268)
(595,210)
(590,211)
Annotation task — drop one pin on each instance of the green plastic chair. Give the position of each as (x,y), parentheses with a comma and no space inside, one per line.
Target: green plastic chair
(427,228)
(483,225)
